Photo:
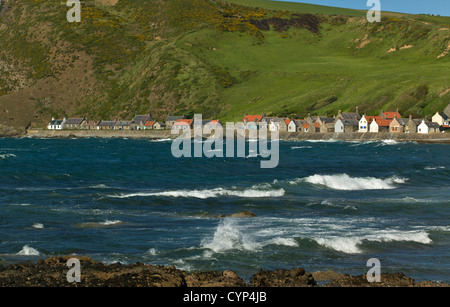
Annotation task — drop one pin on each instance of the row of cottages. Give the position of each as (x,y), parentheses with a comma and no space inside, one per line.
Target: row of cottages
(139,122)
(184,123)
(345,122)
(393,122)
(342,122)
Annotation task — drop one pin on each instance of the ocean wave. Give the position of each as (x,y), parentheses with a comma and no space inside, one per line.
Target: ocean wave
(208,193)
(99,224)
(393,142)
(389,142)
(161,140)
(28,251)
(352,245)
(7,155)
(345,182)
(300,147)
(229,235)
(108,222)
(283,241)
(346,236)
(152,252)
(341,244)
(321,141)
(429,168)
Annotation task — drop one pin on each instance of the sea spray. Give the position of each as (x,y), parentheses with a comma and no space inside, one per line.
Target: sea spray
(229,235)
(28,251)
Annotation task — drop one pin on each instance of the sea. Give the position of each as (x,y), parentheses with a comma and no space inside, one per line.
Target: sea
(327,205)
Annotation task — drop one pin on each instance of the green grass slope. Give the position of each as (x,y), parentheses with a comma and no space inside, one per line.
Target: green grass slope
(218,58)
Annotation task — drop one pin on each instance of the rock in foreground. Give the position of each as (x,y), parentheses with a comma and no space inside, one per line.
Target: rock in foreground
(52,272)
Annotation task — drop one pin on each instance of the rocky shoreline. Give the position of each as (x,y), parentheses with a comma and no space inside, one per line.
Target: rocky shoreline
(53,272)
(435,138)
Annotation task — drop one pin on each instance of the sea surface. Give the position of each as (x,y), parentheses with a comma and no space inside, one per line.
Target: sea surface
(328,205)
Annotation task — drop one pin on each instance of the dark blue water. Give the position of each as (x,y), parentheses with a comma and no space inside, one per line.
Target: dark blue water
(327,206)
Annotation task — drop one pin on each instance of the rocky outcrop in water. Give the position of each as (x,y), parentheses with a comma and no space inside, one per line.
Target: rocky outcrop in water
(53,272)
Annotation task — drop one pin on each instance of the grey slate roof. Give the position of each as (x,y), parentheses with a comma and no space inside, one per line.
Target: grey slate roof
(351,116)
(105,123)
(174,118)
(74,121)
(56,122)
(350,122)
(123,123)
(141,118)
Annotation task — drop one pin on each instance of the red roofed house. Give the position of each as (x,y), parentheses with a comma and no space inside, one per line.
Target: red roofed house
(305,127)
(183,124)
(390,115)
(149,124)
(378,124)
(251,121)
(316,127)
(214,124)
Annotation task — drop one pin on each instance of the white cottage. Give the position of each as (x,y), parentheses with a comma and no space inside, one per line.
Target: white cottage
(427,127)
(278,124)
(374,127)
(56,124)
(292,127)
(339,126)
(364,123)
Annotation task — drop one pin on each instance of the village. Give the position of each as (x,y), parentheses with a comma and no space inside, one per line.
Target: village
(342,122)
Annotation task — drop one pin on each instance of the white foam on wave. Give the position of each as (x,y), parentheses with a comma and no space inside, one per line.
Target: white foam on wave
(230,236)
(38,225)
(108,222)
(351,244)
(321,141)
(161,140)
(300,147)
(389,142)
(345,182)
(209,193)
(152,252)
(341,244)
(348,236)
(7,155)
(284,241)
(28,251)
(429,168)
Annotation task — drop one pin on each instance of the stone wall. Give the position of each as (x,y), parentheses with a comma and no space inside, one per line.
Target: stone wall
(287,136)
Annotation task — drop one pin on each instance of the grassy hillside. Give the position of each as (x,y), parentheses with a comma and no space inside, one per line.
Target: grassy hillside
(218,58)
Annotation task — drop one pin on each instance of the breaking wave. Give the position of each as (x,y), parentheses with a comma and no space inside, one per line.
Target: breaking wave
(28,251)
(229,236)
(429,168)
(345,182)
(208,193)
(100,224)
(7,155)
(352,245)
(233,235)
